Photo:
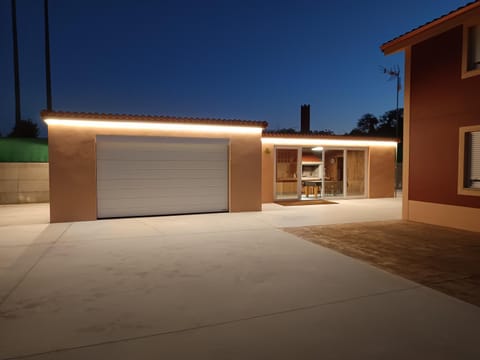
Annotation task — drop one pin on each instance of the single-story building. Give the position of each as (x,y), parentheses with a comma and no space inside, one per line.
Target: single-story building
(303,166)
(441,183)
(106,166)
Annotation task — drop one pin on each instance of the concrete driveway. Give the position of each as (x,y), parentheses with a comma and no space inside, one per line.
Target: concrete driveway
(217,286)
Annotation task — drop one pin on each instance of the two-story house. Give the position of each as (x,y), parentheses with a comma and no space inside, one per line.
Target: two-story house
(441,183)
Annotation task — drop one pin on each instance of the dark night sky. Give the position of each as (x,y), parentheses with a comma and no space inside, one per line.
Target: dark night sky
(253,60)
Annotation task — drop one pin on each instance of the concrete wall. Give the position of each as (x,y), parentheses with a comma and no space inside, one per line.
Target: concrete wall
(72,157)
(23,183)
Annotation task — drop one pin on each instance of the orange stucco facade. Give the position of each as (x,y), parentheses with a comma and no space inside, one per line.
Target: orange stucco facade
(73,194)
(381,172)
(268,170)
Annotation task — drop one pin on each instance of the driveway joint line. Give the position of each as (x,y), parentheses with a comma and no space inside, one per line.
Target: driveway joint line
(216,324)
(22,279)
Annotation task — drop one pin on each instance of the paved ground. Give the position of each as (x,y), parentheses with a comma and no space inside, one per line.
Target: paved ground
(442,258)
(220,286)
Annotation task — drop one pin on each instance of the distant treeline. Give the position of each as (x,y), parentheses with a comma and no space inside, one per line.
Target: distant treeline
(367,125)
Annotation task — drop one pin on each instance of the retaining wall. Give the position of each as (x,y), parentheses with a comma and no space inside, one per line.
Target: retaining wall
(25,182)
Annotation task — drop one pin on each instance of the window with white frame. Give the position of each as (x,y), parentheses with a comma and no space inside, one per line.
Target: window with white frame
(469,161)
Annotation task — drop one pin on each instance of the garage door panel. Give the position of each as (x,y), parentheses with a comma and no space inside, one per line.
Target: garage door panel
(141,207)
(130,191)
(152,175)
(174,210)
(117,165)
(162,153)
(139,176)
(149,156)
(153,185)
(148,202)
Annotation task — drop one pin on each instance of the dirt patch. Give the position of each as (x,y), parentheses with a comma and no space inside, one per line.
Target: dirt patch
(444,259)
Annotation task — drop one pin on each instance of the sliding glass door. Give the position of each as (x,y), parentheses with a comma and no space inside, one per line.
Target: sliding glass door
(314,172)
(345,172)
(286,173)
(334,173)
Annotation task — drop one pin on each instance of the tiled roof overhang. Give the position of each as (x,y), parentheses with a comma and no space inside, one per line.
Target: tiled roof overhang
(325,137)
(67,115)
(431,28)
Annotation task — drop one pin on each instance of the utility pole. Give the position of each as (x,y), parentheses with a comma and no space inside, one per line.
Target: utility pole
(48,80)
(394,73)
(18,115)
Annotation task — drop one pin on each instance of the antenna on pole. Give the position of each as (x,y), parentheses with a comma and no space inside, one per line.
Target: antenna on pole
(394,73)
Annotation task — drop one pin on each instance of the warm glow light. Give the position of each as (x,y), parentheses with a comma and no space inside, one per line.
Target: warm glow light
(133,125)
(326,142)
(317,148)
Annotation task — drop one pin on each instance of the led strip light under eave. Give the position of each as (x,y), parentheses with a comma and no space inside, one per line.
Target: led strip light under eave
(326,142)
(134,125)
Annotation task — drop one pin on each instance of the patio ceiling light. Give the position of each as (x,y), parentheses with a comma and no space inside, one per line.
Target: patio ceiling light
(317,148)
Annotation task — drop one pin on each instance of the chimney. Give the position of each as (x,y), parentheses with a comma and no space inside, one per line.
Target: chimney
(305,119)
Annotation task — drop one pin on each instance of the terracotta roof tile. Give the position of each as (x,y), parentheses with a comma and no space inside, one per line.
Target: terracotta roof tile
(149,118)
(333,137)
(434,22)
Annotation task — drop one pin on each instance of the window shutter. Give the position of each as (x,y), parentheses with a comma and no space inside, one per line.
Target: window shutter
(475,159)
(476,46)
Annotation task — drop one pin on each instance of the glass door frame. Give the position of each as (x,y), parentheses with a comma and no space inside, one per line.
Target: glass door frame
(298,172)
(322,191)
(366,177)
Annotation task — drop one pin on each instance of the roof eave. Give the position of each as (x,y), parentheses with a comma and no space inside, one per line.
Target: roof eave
(430,29)
(69,115)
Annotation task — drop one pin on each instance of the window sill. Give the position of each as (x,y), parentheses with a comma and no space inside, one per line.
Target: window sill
(470,73)
(468,191)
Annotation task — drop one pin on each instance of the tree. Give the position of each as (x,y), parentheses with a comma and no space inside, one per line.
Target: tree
(387,125)
(25,128)
(366,125)
(322,132)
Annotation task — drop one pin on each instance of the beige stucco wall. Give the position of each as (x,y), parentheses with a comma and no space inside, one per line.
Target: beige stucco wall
(23,183)
(268,168)
(245,173)
(381,172)
(460,217)
(73,195)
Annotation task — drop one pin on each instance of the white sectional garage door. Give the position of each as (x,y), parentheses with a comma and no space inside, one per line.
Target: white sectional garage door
(138,176)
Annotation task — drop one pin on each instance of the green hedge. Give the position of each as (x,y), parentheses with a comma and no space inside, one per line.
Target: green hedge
(23,150)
